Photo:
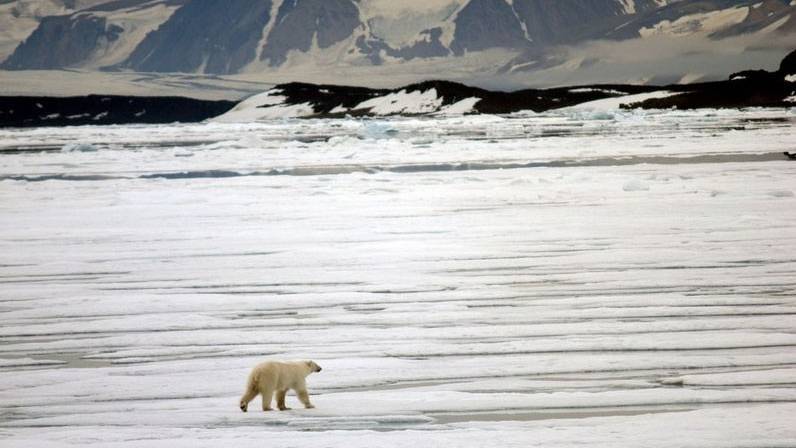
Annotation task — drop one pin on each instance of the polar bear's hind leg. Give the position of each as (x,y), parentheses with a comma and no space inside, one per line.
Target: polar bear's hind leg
(280,400)
(251,392)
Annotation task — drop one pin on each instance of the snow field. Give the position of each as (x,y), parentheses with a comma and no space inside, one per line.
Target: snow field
(462,281)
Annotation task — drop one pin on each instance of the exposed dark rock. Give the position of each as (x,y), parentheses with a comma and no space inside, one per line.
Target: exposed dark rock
(788,65)
(325,98)
(749,88)
(298,22)
(204,35)
(62,41)
(222,37)
(539,100)
(428,47)
(25,111)
(763,14)
(723,94)
(631,25)
(486,24)
(559,22)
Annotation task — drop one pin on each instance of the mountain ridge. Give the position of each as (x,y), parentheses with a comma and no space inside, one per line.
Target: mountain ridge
(243,36)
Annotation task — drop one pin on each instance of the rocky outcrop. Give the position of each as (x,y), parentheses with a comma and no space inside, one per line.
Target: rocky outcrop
(750,88)
(300,100)
(788,65)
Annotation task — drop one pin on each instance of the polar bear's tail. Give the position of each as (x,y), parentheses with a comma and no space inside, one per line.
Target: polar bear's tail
(251,391)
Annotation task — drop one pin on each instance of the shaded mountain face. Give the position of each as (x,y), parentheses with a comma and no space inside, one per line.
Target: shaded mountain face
(568,21)
(300,23)
(234,36)
(83,37)
(714,18)
(46,49)
(205,36)
(486,24)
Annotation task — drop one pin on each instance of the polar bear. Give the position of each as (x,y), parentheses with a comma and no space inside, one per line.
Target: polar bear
(274,376)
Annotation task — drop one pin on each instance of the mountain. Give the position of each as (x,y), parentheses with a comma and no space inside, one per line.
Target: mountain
(301,24)
(277,36)
(203,36)
(101,34)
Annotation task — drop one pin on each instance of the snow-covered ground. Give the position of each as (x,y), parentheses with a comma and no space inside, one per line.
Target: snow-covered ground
(585,277)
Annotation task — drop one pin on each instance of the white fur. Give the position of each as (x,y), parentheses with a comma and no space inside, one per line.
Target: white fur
(275,376)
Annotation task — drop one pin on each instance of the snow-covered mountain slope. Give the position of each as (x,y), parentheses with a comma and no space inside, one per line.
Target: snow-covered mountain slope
(715,19)
(241,36)
(100,35)
(19,18)
(214,37)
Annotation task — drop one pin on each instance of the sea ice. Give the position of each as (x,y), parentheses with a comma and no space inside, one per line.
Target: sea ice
(549,279)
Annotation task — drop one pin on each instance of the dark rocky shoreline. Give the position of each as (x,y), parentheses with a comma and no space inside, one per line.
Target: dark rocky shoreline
(32,111)
(751,88)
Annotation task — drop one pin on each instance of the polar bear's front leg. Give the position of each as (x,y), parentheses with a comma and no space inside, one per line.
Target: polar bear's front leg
(305,398)
(268,395)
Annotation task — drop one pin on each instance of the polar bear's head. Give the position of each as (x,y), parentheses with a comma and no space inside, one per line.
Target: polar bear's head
(313,367)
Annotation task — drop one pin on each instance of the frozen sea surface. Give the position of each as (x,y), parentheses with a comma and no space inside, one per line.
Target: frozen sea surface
(577,278)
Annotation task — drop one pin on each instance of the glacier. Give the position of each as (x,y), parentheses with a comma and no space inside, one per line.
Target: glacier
(580,277)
